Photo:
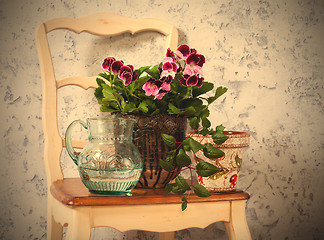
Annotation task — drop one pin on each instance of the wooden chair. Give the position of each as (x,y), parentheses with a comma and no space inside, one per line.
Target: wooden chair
(71,204)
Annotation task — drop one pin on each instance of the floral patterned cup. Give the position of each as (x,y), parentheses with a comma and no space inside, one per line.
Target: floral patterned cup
(226,179)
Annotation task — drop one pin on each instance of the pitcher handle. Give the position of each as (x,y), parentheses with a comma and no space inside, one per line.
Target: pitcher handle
(73,154)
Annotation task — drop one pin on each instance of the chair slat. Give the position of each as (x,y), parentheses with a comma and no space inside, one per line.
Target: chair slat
(84,82)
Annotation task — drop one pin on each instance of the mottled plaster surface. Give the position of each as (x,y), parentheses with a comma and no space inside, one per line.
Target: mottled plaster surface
(268,53)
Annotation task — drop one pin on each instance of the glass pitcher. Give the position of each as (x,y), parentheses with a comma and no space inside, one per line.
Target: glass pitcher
(110,163)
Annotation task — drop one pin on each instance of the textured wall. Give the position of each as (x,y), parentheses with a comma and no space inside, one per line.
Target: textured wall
(268,53)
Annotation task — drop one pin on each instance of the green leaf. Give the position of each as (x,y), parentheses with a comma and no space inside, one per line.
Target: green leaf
(219,138)
(195,145)
(201,191)
(189,111)
(142,69)
(211,152)
(220,128)
(204,113)
(153,72)
(204,131)
(141,81)
(177,190)
(205,122)
(143,106)
(219,92)
(194,123)
(183,159)
(181,182)
(167,166)
(206,169)
(105,108)
(173,109)
(172,153)
(168,139)
(98,93)
(100,82)
(130,107)
(109,95)
(168,188)
(191,102)
(184,203)
(104,75)
(185,144)
(206,87)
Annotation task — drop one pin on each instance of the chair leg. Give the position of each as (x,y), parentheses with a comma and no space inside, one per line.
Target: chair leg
(166,236)
(79,228)
(237,228)
(54,229)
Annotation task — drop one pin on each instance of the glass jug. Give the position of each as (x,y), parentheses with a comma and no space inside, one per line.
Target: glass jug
(110,163)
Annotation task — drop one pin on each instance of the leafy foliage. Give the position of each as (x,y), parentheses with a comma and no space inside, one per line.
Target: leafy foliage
(179,156)
(175,87)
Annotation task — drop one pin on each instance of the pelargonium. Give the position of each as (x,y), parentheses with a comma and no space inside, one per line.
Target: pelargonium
(117,67)
(173,87)
(176,87)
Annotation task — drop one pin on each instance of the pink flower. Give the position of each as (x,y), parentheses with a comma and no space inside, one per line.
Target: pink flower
(161,94)
(164,89)
(156,88)
(127,74)
(169,67)
(194,64)
(150,87)
(193,70)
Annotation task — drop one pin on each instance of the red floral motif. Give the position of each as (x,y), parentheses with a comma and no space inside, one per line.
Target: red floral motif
(200,179)
(218,159)
(233,180)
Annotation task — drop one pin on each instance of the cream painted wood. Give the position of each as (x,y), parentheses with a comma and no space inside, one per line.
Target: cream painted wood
(237,227)
(84,82)
(162,218)
(102,24)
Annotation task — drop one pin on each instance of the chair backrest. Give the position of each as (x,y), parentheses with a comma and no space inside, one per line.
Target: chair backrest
(100,24)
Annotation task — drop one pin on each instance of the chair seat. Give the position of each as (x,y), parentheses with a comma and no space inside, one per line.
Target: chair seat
(72,192)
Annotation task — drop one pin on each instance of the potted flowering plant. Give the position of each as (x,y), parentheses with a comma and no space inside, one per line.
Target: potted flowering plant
(175,87)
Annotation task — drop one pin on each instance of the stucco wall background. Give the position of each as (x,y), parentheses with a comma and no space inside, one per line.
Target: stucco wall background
(268,53)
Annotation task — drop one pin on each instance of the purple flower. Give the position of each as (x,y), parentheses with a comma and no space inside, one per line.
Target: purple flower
(182,52)
(170,54)
(191,80)
(116,66)
(167,79)
(195,59)
(127,74)
(107,63)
